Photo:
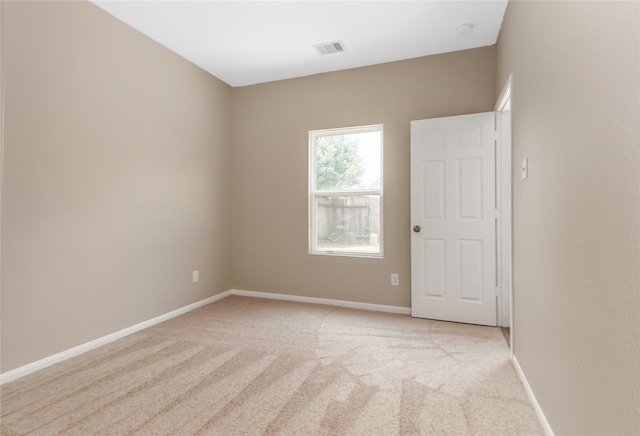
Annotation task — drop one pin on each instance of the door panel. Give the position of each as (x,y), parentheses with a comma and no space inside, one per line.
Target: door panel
(453,256)
(470,189)
(470,255)
(434,271)
(433,175)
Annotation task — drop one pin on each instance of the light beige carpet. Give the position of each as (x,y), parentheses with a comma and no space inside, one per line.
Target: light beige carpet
(248,366)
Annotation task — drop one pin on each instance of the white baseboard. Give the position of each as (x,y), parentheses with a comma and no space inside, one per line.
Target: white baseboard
(325,301)
(534,402)
(75,351)
(83,348)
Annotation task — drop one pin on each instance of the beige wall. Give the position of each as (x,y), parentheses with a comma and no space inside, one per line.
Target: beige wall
(119,179)
(116,179)
(577,218)
(271,123)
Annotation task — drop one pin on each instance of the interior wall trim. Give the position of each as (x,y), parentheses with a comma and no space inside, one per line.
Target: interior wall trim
(83,348)
(325,301)
(532,398)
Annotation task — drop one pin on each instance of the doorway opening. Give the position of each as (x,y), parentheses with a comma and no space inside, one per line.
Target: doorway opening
(504,202)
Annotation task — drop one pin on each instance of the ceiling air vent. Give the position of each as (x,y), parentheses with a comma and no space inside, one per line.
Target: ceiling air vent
(330,47)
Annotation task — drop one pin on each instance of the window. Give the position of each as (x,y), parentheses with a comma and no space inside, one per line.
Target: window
(345,191)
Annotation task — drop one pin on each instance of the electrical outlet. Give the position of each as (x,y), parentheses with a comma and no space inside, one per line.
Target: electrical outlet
(195,276)
(395,279)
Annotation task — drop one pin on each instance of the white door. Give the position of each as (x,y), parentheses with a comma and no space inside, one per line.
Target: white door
(453,215)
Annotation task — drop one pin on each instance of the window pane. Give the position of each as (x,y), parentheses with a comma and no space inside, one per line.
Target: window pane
(350,161)
(348,223)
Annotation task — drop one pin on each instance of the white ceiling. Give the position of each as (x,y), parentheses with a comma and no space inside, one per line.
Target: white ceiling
(249,42)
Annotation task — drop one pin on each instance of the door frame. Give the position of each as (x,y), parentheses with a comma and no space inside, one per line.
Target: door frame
(504,128)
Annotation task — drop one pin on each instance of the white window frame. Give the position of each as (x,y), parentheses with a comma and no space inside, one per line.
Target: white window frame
(314,192)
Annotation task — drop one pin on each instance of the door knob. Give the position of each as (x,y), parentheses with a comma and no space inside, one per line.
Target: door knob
(417,229)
